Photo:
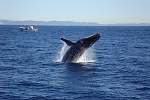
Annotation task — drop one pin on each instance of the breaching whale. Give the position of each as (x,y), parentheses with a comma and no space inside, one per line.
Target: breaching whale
(77,49)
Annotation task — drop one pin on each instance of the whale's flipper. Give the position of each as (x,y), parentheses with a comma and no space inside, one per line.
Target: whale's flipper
(68,42)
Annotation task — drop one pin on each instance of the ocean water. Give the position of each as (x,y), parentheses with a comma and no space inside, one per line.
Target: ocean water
(117,67)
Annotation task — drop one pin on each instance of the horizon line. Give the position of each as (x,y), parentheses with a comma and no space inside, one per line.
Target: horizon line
(98,24)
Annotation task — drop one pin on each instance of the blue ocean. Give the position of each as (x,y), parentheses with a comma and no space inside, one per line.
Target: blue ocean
(116,67)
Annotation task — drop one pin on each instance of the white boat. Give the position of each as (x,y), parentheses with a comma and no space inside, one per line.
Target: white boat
(1,23)
(28,28)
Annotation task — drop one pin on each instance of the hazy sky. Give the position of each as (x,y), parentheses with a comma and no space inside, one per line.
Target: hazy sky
(99,11)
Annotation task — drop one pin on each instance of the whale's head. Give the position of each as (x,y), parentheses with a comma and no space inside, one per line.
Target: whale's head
(88,41)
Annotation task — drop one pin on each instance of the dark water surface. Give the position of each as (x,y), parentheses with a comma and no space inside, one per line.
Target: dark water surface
(121,70)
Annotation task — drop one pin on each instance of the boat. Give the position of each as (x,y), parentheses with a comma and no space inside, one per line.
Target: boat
(1,23)
(28,28)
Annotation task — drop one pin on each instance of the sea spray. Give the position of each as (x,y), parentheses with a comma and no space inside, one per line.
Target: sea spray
(62,52)
(88,55)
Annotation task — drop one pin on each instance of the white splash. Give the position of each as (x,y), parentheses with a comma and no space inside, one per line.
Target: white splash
(62,52)
(88,55)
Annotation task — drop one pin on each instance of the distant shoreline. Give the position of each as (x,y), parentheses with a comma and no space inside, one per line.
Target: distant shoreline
(67,23)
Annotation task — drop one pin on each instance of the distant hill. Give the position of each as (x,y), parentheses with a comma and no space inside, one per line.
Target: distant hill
(50,23)
(66,23)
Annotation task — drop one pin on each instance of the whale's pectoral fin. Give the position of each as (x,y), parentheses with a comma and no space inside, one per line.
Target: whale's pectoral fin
(68,42)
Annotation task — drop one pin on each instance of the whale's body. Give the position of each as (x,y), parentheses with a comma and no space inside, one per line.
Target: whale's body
(77,49)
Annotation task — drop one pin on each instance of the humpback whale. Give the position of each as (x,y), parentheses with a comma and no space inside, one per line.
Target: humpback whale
(78,48)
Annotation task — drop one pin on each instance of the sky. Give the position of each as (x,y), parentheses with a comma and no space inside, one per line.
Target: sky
(98,11)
